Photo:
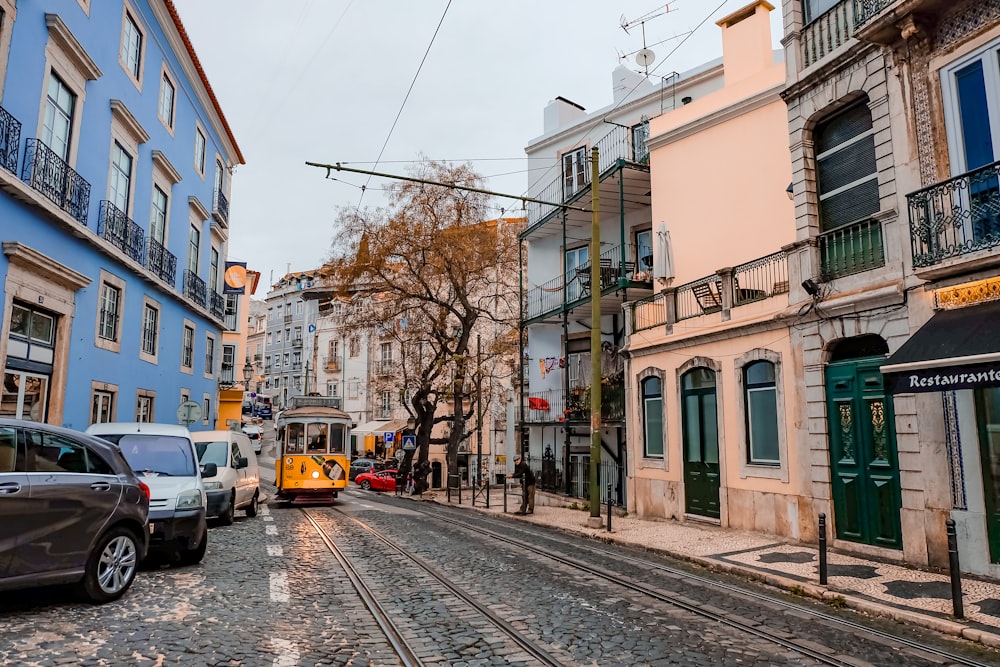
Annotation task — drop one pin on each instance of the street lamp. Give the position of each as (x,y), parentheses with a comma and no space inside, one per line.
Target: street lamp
(248,371)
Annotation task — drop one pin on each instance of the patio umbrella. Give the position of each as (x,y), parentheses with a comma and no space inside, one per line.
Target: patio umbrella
(663,258)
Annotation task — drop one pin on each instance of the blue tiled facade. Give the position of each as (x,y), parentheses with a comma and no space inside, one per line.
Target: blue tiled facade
(114,226)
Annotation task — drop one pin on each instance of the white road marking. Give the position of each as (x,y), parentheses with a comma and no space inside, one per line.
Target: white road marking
(271,530)
(263,510)
(279,587)
(269,518)
(288,653)
(274,550)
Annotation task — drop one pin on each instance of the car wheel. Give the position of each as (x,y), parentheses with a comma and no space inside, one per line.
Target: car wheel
(111,566)
(366,485)
(194,556)
(252,507)
(229,515)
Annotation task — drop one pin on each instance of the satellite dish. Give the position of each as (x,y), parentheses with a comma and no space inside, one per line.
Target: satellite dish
(644,57)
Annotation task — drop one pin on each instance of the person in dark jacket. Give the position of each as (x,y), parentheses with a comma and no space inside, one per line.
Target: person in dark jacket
(522,471)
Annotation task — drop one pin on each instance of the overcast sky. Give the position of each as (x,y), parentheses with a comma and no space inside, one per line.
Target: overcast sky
(324,80)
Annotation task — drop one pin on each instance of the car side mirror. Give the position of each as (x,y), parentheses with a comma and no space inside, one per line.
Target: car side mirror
(242,462)
(209,470)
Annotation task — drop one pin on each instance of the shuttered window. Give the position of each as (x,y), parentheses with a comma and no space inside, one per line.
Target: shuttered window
(846,176)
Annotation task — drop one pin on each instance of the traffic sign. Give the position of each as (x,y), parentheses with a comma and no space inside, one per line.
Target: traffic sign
(188,413)
(388,436)
(400,454)
(409,443)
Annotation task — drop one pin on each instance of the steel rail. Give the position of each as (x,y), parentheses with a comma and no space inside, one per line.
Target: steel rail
(534,650)
(381,616)
(805,649)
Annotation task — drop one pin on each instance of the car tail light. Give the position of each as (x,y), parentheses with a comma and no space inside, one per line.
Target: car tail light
(145,489)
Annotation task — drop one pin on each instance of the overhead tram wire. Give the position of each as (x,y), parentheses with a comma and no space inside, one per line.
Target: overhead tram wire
(405,98)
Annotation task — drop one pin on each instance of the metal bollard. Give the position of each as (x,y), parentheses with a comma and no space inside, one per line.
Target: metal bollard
(487,493)
(505,496)
(609,508)
(956,574)
(822,549)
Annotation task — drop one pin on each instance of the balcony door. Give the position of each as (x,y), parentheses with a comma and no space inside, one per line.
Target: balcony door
(972,101)
(988,420)
(574,171)
(577,259)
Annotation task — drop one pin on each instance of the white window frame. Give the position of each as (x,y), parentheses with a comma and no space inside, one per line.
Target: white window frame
(187,350)
(100,340)
(8,16)
(209,356)
(200,149)
(103,402)
(168,121)
(150,305)
(989,53)
(145,405)
(128,50)
(573,166)
(765,471)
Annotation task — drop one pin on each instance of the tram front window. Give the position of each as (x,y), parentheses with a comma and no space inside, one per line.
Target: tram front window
(338,433)
(317,439)
(296,438)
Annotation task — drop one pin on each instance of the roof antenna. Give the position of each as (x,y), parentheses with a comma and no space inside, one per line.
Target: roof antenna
(644,57)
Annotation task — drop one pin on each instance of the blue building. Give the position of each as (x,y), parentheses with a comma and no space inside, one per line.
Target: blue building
(115,164)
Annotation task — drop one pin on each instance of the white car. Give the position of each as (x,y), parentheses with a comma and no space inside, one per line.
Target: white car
(256,434)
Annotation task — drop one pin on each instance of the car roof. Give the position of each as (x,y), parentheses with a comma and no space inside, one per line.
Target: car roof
(152,428)
(212,436)
(97,443)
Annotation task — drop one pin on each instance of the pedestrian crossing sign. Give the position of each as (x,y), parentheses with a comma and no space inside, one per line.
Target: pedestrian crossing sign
(409,443)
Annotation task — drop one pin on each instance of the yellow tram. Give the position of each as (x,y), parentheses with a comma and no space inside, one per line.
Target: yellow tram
(312,440)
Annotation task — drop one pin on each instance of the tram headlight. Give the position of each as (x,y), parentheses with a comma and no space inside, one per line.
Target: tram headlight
(189,500)
(315,474)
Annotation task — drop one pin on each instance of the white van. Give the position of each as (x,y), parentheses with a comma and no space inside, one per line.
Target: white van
(236,483)
(163,456)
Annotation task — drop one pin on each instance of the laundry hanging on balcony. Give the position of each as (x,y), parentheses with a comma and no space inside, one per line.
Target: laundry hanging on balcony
(548,364)
(536,403)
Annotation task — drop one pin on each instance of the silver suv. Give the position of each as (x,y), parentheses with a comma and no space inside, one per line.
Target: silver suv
(71,511)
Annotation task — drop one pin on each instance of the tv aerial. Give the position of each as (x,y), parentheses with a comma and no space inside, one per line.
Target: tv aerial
(645,56)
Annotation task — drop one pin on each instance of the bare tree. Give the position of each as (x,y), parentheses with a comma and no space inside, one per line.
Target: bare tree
(432,272)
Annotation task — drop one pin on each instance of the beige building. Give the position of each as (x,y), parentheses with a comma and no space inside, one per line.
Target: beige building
(712,389)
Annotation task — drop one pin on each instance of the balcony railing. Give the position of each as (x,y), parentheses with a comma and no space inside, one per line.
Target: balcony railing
(221,206)
(296,365)
(297,342)
(829,32)
(331,364)
(217,305)
(866,10)
(161,262)
(114,225)
(227,376)
(10,139)
(614,146)
(612,402)
(746,283)
(955,217)
(46,172)
(288,318)
(195,288)
(544,406)
(760,279)
(851,249)
(230,321)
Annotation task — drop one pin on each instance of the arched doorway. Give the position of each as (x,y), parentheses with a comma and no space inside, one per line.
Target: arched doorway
(700,428)
(864,466)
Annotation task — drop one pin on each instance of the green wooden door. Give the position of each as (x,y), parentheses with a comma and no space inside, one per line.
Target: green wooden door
(700,426)
(988,418)
(863,461)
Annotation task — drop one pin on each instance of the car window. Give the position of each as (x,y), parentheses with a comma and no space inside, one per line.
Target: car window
(50,452)
(159,454)
(235,451)
(9,459)
(216,452)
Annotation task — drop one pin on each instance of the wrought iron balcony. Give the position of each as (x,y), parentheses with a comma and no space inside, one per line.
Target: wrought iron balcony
(227,376)
(612,401)
(851,249)
(614,146)
(195,288)
(161,262)
(544,406)
(331,364)
(297,342)
(10,139)
(48,173)
(115,226)
(221,208)
(296,365)
(217,305)
(956,217)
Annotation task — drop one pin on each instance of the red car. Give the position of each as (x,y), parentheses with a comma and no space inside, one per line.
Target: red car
(383,480)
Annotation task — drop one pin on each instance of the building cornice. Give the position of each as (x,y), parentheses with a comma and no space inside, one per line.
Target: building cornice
(198,208)
(61,34)
(161,162)
(121,114)
(45,266)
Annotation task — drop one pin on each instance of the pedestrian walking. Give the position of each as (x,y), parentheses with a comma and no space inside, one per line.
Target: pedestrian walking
(522,471)
(409,484)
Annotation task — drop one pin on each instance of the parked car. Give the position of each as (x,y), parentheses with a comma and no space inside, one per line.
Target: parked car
(163,456)
(236,482)
(383,480)
(263,410)
(359,466)
(71,511)
(256,436)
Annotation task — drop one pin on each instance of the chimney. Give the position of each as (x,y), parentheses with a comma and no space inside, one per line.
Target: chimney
(560,113)
(746,41)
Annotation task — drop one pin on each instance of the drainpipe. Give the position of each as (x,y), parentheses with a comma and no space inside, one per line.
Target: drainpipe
(595,335)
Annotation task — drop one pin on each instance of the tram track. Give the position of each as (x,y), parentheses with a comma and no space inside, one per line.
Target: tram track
(393,633)
(706,611)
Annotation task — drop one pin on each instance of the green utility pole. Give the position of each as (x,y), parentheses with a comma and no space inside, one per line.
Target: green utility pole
(595,334)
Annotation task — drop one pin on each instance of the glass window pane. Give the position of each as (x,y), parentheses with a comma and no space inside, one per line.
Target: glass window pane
(653,412)
(763,431)
(760,372)
(692,429)
(710,426)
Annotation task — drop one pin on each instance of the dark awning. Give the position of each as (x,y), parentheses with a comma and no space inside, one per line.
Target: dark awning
(955,349)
